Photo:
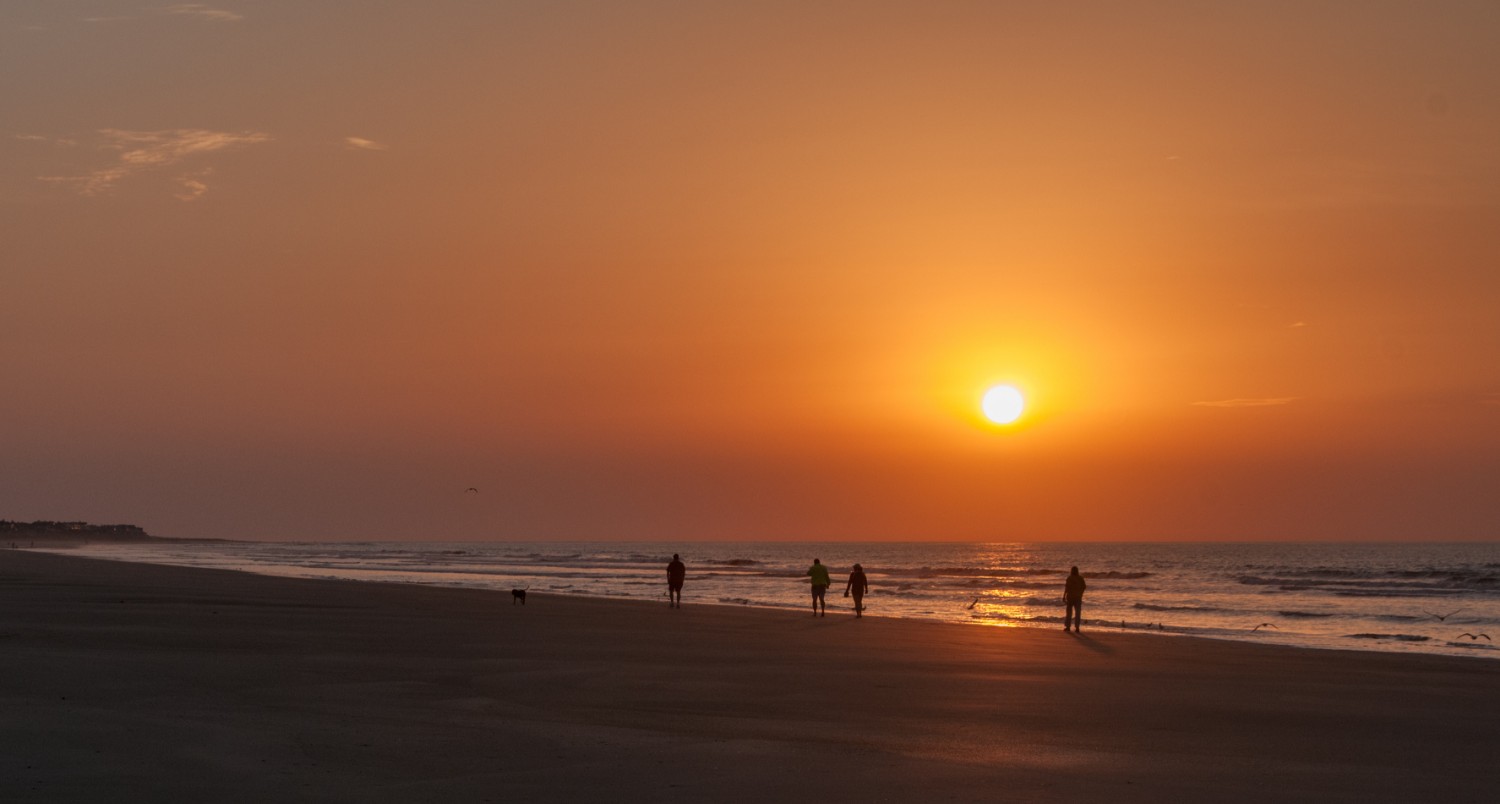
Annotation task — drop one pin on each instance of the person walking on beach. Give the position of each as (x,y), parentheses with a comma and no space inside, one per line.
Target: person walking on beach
(857,586)
(820,583)
(1073,602)
(676,574)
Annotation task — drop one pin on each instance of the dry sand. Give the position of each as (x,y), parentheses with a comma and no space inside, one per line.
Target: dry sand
(130,682)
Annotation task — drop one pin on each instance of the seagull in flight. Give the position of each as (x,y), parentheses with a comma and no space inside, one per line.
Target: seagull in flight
(1474,637)
(1442,617)
(471,490)
(1265,625)
(975,603)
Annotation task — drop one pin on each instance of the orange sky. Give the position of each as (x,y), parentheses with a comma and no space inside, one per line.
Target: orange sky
(279,269)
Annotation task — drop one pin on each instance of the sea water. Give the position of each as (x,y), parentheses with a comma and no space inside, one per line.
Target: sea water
(1395,597)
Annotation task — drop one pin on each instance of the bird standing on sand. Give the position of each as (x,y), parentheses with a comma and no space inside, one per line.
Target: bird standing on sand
(1474,637)
(1441,617)
(1265,625)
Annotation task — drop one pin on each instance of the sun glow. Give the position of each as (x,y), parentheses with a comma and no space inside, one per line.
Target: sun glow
(1003,404)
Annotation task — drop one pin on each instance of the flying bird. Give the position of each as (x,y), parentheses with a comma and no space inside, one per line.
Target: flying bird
(975,603)
(1474,637)
(471,489)
(1265,625)
(1442,617)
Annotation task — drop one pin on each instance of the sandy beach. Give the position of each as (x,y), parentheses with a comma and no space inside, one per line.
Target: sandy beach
(132,682)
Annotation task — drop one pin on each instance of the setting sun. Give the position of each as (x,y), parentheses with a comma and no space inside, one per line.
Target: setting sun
(1003,404)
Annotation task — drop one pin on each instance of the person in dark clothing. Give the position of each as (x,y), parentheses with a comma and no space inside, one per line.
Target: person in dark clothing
(676,573)
(857,586)
(1073,601)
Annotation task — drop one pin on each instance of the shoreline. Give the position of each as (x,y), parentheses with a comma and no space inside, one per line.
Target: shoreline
(1102,626)
(176,684)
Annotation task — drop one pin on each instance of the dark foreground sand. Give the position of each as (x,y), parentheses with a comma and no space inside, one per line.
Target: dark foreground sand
(128,682)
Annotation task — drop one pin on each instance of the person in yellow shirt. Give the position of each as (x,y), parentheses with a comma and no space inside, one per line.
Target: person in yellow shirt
(820,583)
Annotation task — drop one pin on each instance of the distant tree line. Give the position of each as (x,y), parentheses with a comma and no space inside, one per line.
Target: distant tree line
(44,529)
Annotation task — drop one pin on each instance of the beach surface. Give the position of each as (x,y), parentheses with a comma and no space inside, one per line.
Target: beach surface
(135,682)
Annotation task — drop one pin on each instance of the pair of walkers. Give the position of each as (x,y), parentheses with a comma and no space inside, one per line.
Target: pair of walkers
(856,587)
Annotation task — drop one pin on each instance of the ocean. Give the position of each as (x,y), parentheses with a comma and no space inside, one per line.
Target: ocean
(1414,598)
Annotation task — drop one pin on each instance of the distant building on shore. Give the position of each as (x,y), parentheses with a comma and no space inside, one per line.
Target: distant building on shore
(71,531)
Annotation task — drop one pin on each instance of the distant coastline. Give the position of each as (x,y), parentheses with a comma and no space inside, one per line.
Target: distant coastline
(54,533)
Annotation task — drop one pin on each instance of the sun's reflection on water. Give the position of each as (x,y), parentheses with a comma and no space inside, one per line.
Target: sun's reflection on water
(1002,608)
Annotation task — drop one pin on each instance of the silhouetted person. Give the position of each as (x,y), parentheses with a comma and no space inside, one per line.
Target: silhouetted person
(676,574)
(857,586)
(1073,600)
(820,583)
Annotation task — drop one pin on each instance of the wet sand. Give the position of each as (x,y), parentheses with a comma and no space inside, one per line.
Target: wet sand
(136,682)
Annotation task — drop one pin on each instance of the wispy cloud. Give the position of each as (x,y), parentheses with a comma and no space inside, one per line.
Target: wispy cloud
(192,184)
(362,144)
(1247,403)
(1296,325)
(49,140)
(203,12)
(148,151)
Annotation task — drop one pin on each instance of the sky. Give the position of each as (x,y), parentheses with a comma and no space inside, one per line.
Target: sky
(277,269)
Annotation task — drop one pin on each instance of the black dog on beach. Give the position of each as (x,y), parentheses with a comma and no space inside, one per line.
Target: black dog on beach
(518,596)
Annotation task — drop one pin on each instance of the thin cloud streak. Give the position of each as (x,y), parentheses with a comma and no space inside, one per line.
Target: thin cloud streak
(146,151)
(362,144)
(202,11)
(1247,403)
(49,140)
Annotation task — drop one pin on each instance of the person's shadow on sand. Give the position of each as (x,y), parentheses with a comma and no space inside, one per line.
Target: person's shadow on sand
(1093,644)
